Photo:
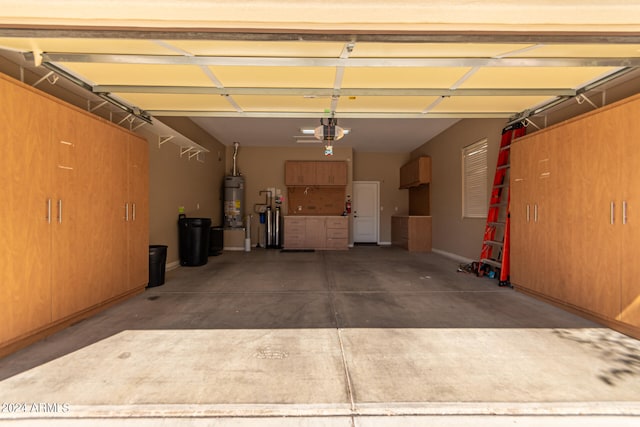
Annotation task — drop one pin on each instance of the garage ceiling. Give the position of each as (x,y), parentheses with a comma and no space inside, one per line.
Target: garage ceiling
(394,89)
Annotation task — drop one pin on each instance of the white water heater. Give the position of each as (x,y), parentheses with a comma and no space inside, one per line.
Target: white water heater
(233,201)
(234,195)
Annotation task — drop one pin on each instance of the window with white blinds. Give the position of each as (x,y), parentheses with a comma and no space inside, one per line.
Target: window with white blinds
(474,180)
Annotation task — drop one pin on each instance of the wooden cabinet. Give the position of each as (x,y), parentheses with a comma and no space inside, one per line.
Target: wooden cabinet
(331,173)
(294,232)
(325,173)
(574,202)
(316,232)
(416,172)
(299,173)
(532,216)
(138,224)
(66,248)
(26,172)
(411,232)
(337,233)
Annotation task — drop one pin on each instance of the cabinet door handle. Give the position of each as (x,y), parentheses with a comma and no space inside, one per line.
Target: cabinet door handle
(48,211)
(126,211)
(612,213)
(133,211)
(624,212)
(59,211)
(535,213)
(528,214)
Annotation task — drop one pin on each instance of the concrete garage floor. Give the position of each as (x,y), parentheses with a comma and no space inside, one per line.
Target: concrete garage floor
(375,336)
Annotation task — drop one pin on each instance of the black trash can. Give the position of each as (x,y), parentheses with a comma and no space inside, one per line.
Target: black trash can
(216,241)
(194,240)
(157,265)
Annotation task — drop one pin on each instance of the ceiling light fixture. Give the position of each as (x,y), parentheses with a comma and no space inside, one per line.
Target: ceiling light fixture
(312,131)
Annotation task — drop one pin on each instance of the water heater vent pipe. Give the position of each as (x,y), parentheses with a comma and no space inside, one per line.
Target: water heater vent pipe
(234,171)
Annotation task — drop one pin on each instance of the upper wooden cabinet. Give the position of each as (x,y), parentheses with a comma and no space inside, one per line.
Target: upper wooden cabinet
(298,173)
(416,172)
(331,173)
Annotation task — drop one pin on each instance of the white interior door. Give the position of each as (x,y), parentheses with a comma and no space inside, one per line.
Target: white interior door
(366,208)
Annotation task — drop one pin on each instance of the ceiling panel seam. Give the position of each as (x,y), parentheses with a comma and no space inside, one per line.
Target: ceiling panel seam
(336,62)
(345,115)
(576,37)
(284,91)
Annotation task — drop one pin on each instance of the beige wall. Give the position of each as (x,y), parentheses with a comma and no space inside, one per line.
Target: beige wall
(176,181)
(452,233)
(384,168)
(263,167)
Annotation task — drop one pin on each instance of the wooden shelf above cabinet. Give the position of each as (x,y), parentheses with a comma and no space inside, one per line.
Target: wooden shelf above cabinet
(416,172)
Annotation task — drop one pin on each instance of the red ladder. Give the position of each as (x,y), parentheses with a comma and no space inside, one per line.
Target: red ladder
(496,232)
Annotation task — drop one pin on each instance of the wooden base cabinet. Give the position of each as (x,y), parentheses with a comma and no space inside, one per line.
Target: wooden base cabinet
(575,214)
(411,232)
(69,244)
(316,232)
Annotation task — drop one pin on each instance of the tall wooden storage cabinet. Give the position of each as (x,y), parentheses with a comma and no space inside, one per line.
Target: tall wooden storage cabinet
(71,241)
(575,214)
(26,171)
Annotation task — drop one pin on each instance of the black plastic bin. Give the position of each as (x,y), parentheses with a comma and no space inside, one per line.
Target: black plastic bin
(194,240)
(157,265)
(216,241)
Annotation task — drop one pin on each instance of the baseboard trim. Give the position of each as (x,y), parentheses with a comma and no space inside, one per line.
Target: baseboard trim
(624,328)
(172,266)
(452,256)
(384,243)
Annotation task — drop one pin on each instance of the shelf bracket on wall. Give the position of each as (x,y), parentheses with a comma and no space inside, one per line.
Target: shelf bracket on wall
(191,153)
(187,146)
(51,77)
(125,119)
(92,109)
(528,122)
(580,99)
(133,128)
(163,139)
